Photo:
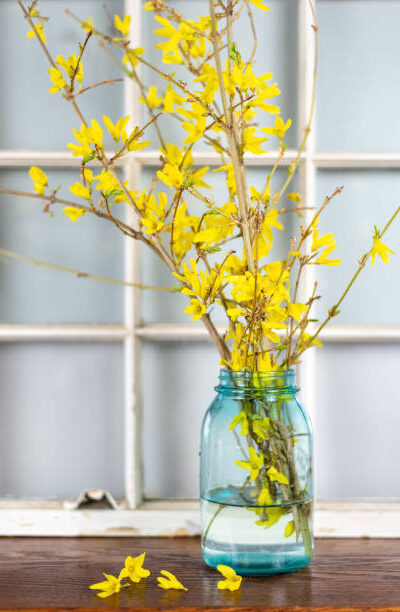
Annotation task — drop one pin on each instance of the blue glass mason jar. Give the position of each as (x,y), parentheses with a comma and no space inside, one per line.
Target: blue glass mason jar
(256,476)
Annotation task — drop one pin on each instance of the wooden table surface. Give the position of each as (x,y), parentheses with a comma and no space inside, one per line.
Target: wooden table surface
(54,574)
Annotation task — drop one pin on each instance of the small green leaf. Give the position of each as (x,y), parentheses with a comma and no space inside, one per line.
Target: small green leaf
(212,249)
(234,53)
(114,192)
(89,157)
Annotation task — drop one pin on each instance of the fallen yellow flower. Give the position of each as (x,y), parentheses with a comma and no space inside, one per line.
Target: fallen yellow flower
(170,582)
(108,587)
(133,568)
(232,581)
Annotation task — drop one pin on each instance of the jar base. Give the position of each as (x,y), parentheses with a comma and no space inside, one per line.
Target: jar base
(258,563)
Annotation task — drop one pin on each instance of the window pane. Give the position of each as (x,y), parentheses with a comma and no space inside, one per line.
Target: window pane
(357,421)
(368,199)
(178,382)
(32,118)
(277,53)
(168,308)
(61,419)
(33,294)
(358,80)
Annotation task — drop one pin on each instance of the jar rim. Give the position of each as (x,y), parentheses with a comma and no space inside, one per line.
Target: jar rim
(268,381)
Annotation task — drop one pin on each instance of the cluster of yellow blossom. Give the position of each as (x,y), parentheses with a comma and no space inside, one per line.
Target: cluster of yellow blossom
(39,28)
(90,138)
(134,571)
(73,69)
(254,290)
(187,39)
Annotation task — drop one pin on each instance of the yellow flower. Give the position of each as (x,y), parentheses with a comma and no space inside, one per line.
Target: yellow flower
(203,284)
(196,178)
(39,178)
(106,182)
(196,309)
(152,99)
(324,261)
(254,464)
(232,580)
(108,587)
(294,197)
(170,48)
(261,428)
(252,143)
(87,136)
(57,79)
(235,313)
(171,99)
(328,241)
(122,25)
(264,498)
(230,177)
(260,4)
(242,419)
(176,156)
(117,131)
(195,130)
(273,474)
(87,25)
(171,176)
(152,224)
(39,30)
(72,66)
(274,515)
(87,175)
(133,141)
(148,6)
(170,582)
(209,77)
(133,568)
(80,191)
(289,529)
(267,92)
(73,213)
(380,249)
(132,56)
(296,310)
(280,128)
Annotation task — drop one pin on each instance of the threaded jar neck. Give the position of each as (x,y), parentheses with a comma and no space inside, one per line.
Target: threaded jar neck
(252,382)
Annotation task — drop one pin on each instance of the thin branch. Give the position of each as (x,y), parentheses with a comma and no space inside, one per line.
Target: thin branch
(334,311)
(89,87)
(103,279)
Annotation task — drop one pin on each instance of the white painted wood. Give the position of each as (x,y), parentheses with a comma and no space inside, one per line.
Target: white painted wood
(148,520)
(360,333)
(61,332)
(59,159)
(358,520)
(132,429)
(211,158)
(166,332)
(181,518)
(351,159)
(307,173)
(357,160)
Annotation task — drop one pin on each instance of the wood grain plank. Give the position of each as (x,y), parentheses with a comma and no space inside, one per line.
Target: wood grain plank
(47,574)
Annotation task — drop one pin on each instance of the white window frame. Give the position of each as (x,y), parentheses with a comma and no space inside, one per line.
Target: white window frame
(137,517)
